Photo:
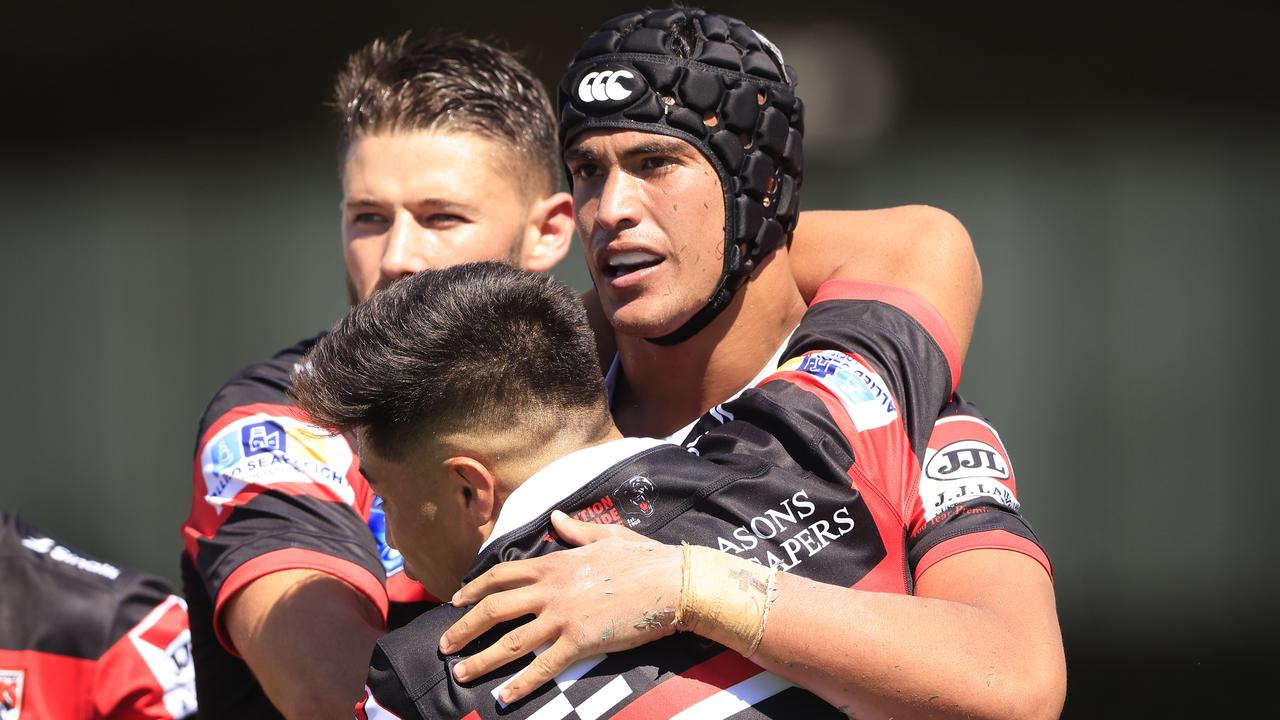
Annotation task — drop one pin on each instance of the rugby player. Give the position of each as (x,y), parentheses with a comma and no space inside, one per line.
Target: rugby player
(696,111)
(83,639)
(448,155)
(478,411)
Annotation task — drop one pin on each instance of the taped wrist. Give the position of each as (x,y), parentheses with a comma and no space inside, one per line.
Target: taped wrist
(725,598)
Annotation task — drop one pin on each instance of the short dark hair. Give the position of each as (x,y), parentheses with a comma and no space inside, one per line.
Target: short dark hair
(473,347)
(454,84)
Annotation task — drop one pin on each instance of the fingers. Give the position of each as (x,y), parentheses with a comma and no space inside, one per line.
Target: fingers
(490,611)
(515,644)
(544,668)
(500,577)
(576,532)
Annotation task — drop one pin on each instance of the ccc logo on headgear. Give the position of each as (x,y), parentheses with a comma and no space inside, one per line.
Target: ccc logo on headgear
(605,89)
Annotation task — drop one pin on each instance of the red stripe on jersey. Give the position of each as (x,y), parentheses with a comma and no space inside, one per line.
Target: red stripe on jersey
(914,304)
(242,411)
(294,559)
(167,628)
(52,686)
(883,472)
(985,540)
(126,686)
(473,715)
(691,686)
(882,454)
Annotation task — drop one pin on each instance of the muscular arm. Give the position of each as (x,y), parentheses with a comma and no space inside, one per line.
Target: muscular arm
(980,639)
(308,637)
(916,247)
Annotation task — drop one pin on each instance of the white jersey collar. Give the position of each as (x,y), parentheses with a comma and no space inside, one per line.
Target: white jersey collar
(560,479)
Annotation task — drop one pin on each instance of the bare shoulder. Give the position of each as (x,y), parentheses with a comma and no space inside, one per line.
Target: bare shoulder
(921,248)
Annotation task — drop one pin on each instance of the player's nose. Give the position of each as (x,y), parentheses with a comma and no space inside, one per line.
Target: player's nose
(406,251)
(620,202)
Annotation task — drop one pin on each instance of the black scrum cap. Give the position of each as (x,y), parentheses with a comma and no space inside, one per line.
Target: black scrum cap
(715,83)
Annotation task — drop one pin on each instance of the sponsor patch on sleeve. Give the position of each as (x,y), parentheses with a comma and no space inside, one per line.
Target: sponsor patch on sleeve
(164,642)
(265,449)
(861,390)
(965,461)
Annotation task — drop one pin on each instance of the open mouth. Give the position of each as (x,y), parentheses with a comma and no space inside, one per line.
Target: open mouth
(627,263)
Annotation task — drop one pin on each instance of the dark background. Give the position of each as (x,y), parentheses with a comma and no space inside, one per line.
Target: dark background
(168,213)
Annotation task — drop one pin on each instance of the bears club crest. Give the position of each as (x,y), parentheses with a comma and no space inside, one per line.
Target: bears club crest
(11,694)
(636,496)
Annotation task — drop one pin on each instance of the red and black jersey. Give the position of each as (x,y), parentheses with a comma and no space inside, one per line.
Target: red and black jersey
(817,470)
(81,638)
(270,492)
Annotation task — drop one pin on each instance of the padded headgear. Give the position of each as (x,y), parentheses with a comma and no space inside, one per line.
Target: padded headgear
(715,83)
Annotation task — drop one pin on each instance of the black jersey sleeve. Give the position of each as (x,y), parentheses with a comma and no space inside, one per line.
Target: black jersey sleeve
(967,496)
(897,333)
(271,491)
(385,694)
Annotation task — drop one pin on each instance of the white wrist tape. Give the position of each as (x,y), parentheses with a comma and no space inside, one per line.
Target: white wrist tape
(725,598)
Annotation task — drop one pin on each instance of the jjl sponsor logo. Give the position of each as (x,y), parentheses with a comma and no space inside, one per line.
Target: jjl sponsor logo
(965,472)
(967,459)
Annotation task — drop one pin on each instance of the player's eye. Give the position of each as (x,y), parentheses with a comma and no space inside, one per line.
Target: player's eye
(585,171)
(442,221)
(369,218)
(656,162)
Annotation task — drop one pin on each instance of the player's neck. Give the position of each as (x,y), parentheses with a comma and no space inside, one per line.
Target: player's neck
(529,462)
(663,388)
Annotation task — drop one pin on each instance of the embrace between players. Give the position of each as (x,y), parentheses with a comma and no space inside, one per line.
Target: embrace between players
(783,508)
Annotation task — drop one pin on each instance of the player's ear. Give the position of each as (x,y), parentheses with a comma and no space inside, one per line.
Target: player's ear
(550,232)
(474,489)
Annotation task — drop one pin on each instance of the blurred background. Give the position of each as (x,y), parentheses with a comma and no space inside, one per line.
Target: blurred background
(169,213)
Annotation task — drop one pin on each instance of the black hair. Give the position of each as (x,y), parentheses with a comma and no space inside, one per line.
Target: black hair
(479,347)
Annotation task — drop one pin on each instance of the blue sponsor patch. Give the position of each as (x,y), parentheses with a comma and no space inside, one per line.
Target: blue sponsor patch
(849,377)
(224,454)
(263,437)
(392,560)
(860,389)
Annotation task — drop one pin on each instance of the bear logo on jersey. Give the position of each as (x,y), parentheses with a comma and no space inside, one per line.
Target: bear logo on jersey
(636,496)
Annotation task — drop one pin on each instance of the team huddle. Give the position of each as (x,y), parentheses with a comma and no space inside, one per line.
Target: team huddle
(732,480)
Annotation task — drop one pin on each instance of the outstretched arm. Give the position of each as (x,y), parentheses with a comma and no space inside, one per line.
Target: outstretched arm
(980,639)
